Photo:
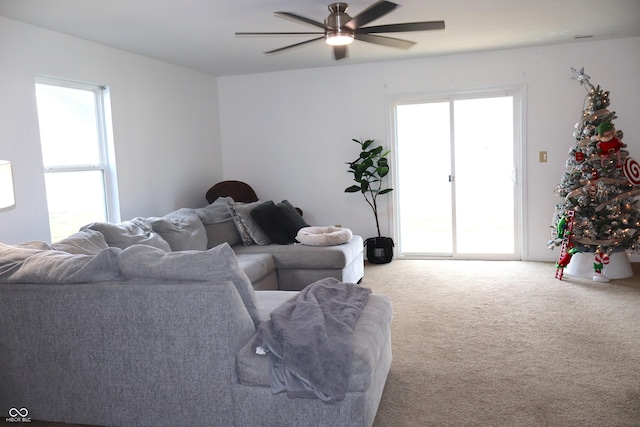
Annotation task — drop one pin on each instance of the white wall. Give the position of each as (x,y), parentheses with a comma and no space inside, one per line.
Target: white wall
(289,134)
(165,121)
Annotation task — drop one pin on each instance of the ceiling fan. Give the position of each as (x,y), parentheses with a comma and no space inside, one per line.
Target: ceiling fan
(339,29)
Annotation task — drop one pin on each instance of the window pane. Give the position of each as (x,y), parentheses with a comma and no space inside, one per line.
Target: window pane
(74,199)
(424,191)
(68,125)
(484,167)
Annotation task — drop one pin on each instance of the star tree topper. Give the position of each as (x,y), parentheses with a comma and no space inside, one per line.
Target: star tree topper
(580,76)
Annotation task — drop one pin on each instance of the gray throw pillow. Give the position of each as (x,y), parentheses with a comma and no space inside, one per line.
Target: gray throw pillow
(181,229)
(218,223)
(214,265)
(137,231)
(247,227)
(87,242)
(245,237)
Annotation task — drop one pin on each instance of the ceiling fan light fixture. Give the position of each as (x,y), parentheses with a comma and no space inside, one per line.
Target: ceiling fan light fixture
(338,38)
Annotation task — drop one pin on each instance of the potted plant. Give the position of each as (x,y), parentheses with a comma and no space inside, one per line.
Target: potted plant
(368,170)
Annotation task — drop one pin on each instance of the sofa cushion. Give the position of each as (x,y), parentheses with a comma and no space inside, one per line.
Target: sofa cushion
(218,264)
(182,230)
(268,301)
(218,223)
(137,231)
(87,242)
(248,228)
(369,336)
(298,256)
(280,222)
(256,266)
(23,265)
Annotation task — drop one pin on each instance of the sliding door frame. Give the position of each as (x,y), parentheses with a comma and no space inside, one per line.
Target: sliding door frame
(518,92)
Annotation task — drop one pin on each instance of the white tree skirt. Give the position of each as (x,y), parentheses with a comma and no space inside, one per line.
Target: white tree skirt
(581,265)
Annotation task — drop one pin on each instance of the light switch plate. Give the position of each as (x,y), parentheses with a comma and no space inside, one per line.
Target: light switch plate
(543,157)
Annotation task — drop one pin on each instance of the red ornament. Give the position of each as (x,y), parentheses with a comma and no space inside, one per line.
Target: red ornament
(579,156)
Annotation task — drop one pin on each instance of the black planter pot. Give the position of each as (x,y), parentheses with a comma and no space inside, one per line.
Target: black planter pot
(379,249)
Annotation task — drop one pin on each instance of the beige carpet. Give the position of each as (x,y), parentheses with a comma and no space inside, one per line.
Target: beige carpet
(492,343)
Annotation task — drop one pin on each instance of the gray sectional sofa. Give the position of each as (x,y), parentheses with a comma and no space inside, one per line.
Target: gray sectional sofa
(269,265)
(131,325)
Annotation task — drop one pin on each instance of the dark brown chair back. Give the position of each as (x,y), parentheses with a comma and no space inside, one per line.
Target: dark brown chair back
(239,191)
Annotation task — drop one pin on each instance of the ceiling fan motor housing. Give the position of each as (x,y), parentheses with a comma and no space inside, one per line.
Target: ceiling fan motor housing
(336,20)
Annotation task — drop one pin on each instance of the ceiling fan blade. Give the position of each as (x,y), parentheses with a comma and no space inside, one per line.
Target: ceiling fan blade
(402,28)
(298,18)
(340,52)
(278,34)
(385,41)
(373,12)
(295,45)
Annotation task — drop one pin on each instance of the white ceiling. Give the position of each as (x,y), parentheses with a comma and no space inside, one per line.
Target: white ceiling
(200,34)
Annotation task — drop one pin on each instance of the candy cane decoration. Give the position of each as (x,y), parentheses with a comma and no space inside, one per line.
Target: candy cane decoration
(601,258)
(599,261)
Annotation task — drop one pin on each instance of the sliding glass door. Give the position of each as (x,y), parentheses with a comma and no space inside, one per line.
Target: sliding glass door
(456,183)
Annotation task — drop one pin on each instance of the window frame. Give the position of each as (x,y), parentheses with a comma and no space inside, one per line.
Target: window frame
(106,152)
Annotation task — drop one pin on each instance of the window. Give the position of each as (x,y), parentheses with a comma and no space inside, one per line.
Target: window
(77,155)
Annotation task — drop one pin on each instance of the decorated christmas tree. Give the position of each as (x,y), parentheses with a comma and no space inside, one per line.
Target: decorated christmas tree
(599,212)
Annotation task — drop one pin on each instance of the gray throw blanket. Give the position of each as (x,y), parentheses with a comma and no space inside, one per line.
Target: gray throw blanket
(310,340)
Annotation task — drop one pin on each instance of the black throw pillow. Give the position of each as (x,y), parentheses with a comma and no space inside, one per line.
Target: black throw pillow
(280,222)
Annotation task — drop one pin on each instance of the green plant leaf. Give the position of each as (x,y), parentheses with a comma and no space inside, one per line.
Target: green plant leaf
(385,191)
(352,189)
(367,143)
(362,167)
